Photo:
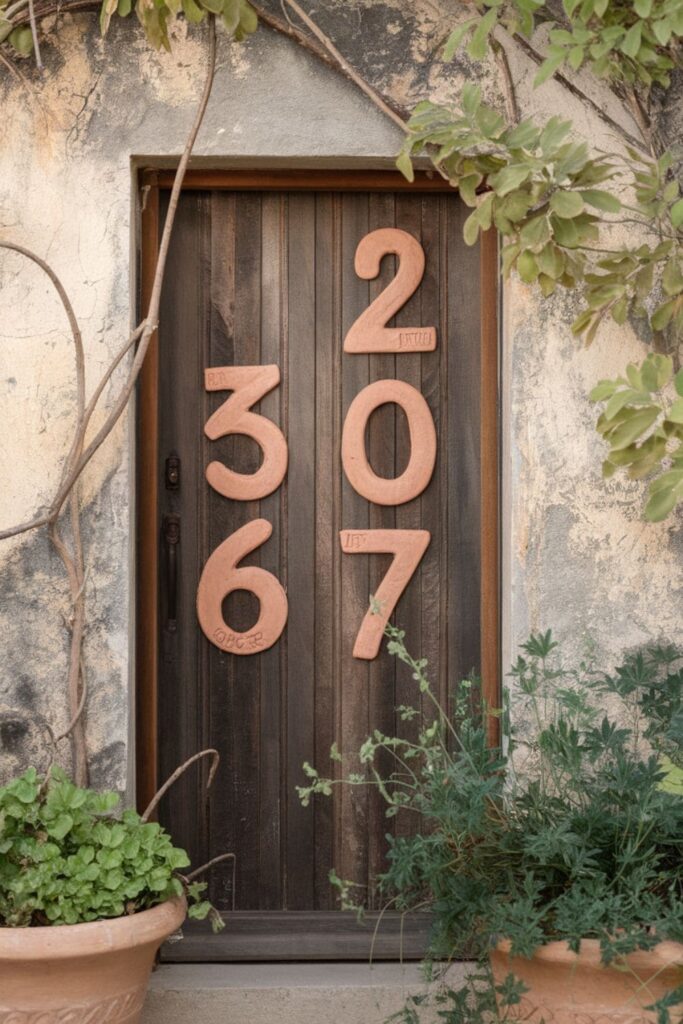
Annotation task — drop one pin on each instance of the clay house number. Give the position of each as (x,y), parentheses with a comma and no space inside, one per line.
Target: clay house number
(369,334)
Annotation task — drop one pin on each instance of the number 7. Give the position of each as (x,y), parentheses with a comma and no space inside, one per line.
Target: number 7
(407,547)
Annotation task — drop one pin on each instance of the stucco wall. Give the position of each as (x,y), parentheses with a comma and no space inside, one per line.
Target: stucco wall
(577,555)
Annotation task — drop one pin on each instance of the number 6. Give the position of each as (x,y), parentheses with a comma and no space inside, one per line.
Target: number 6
(221,576)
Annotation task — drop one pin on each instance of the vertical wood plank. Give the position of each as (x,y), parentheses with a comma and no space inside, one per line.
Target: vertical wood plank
(273,681)
(381,453)
(184,304)
(490,476)
(216,523)
(355,586)
(408,615)
(464,441)
(301,544)
(147,483)
(327,343)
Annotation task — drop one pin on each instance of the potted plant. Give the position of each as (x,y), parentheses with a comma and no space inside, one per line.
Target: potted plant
(556,857)
(87,895)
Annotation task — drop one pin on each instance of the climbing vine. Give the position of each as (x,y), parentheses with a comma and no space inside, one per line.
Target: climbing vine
(606,225)
(565,213)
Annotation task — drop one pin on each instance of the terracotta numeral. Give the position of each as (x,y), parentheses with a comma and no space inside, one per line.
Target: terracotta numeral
(250,384)
(221,576)
(418,472)
(407,547)
(369,333)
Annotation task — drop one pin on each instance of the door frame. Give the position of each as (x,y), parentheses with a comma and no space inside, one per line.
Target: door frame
(150,184)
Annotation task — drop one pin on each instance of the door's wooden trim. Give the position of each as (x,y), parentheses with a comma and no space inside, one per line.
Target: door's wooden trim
(490,482)
(268,935)
(151,182)
(146,727)
(294,180)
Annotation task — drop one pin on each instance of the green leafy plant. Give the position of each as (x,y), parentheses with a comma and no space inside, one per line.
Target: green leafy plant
(69,855)
(573,831)
(633,43)
(643,424)
(555,202)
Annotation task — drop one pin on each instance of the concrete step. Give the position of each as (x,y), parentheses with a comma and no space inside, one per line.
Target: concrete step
(338,993)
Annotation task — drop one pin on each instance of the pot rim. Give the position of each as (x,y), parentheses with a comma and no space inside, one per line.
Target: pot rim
(665,954)
(93,938)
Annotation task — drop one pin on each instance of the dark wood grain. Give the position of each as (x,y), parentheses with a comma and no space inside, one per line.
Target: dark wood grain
(266,276)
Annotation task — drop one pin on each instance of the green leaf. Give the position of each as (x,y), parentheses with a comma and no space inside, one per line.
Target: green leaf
(662,30)
(633,427)
(631,42)
(601,200)
(403,162)
(672,278)
(478,45)
(575,58)
(678,383)
(509,178)
(193,11)
(524,136)
(470,98)
(676,213)
(642,8)
(554,133)
(675,413)
(527,268)
(124,8)
(456,37)
(603,389)
(623,398)
(22,40)
(470,229)
(566,204)
(663,314)
(548,69)
(660,503)
(59,828)
(535,233)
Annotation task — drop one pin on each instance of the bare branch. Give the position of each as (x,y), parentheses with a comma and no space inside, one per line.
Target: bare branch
(344,65)
(209,752)
(538,58)
(34,35)
(504,67)
(209,864)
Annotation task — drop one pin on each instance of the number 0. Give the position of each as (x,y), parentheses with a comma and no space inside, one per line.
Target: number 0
(418,473)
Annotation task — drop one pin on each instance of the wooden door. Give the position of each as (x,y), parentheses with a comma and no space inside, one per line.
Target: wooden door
(260,276)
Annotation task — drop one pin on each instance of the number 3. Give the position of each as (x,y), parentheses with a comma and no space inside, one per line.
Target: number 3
(249,384)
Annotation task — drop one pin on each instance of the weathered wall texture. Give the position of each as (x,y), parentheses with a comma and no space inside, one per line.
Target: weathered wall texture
(577,556)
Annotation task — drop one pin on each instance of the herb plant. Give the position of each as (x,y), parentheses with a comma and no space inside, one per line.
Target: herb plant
(572,830)
(68,855)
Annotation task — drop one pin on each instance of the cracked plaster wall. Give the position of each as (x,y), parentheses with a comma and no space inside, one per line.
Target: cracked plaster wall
(576,553)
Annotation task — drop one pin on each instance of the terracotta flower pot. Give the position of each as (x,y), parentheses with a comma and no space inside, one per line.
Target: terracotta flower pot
(94,973)
(570,988)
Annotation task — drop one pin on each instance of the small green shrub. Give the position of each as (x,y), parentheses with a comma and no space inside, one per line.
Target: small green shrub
(573,829)
(69,855)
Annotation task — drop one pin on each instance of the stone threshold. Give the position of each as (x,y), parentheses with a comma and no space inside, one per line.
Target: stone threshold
(338,993)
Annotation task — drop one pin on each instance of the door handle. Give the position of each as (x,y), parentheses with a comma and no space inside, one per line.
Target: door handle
(171,539)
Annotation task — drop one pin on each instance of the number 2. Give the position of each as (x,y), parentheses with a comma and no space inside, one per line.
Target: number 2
(407,547)
(369,333)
